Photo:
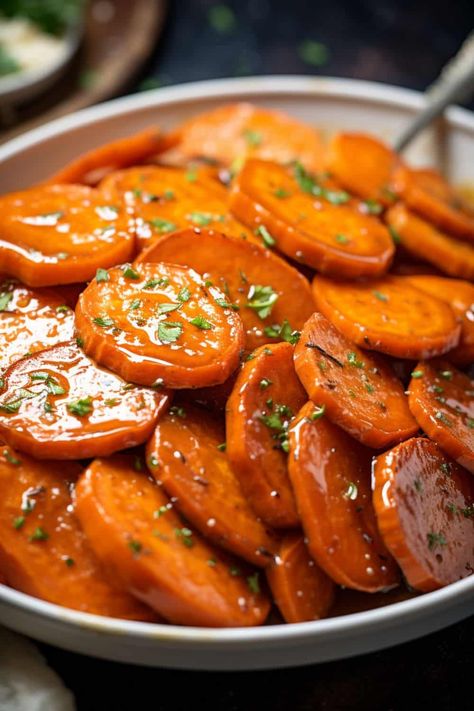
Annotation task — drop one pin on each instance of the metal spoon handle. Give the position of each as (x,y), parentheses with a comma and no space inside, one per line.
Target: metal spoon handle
(455,83)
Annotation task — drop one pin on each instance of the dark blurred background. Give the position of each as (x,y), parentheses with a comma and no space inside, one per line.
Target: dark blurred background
(402,42)
(399,42)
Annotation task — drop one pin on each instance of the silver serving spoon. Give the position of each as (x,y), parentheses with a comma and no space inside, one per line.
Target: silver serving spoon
(455,83)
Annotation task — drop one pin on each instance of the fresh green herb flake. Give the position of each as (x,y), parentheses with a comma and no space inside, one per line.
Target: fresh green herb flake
(435,540)
(317,413)
(104,321)
(185,536)
(169,331)
(130,273)
(162,226)
(351,491)
(5,298)
(81,407)
(39,534)
(102,275)
(267,239)
(381,297)
(417,374)
(253,138)
(253,582)
(202,323)
(261,299)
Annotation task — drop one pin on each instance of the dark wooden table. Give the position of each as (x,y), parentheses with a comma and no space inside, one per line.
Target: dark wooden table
(394,41)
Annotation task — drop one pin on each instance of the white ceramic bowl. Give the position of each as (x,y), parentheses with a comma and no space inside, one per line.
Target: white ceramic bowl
(330,103)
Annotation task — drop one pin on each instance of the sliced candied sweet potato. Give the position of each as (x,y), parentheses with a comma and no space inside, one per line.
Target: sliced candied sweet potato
(442,400)
(264,289)
(61,234)
(234,132)
(459,295)
(426,242)
(43,551)
(30,320)
(330,474)
(163,200)
(265,397)
(91,167)
(363,165)
(142,540)
(359,390)
(425,504)
(427,193)
(160,322)
(388,315)
(186,456)
(59,404)
(309,222)
(301,590)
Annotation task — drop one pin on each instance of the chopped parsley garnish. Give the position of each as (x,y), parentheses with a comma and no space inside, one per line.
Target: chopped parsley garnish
(234,571)
(152,283)
(202,219)
(11,459)
(254,583)
(135,546)
(104,321)
(130,273)
(353,360)
(267,239)
(162,226)
(435,539)
(395,235)
(5,298)
(161,511)
(278,420)
(351,491)
(253,138)
(18,522)
(102,275)
(281,193)
(81,407)
(261,299)
(317,413)
(443,418)
(20,395)
(202,323)
(223,303)
(470,423)
(342,239)
(446,374)
(184,295)
(378,295)
(309,185)
(165,308)
(285,332)
(135,304)
(417,374)
(191,176)
(222,447)
(179,411)
(212,562)
(185,536)
(372,207)
(39,534)
(169,331)
(69,561)
(265,383)
(153,461)
(63,309)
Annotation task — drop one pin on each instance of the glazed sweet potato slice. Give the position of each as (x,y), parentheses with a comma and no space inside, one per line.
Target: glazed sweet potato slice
(330,474)
(94,165)
(160,322)
(363,165)
(264,289)
(358,390)
(442,400)
(185,456)
(233,132)
(164,199)
(140,538)
(61,234)
(388,315)
(59,404)
(459,295)
(428,194)
(308,222)
(301,590)
(30,320)
(43,551)
(424,504)
(426,242)
(266,395)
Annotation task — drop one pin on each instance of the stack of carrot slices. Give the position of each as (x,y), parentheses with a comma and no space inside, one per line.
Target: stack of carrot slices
(235,373)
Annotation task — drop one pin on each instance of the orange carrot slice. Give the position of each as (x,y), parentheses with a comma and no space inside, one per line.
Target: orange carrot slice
(265,397)
(309,222)
(59,404)
(460,296)
(363,165)
(428,194)
(442,400)
(185,456)
(89,168)
(160,322)
(30,321)
(269,294)
(330,474)
(426,242)
(163,200)
(358,390)
(301,590)
(43,551)
(233,132)
(424,504)
(61,234)
(388,315)
(157,557)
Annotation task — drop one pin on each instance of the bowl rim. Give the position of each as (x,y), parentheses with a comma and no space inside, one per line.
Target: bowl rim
(333,627)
